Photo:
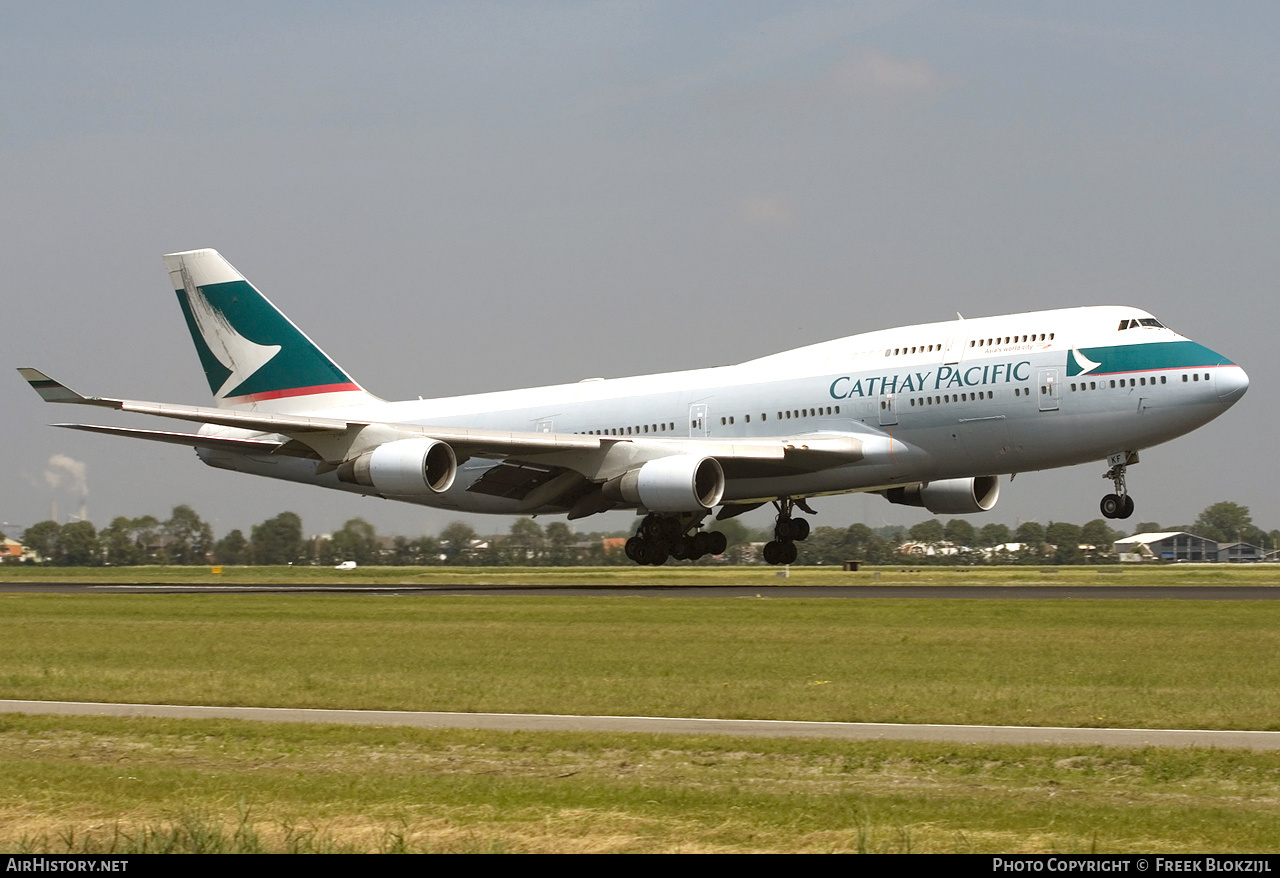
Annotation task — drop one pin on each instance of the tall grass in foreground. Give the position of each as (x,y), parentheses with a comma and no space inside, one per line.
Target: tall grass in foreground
(100,785)
(206,833)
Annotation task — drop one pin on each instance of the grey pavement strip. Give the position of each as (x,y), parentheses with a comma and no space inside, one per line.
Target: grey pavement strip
(1249,740)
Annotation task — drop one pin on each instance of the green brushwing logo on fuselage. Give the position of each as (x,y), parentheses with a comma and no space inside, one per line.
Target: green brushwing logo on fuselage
(1149,357)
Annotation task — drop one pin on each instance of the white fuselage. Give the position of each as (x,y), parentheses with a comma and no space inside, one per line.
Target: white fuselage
(945,400)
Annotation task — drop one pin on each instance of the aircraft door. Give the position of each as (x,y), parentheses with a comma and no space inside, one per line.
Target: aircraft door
(544,425)
(888,409)
(698,426)
(1050,390)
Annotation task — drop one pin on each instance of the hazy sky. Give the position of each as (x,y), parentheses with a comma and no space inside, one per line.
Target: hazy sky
(458,197)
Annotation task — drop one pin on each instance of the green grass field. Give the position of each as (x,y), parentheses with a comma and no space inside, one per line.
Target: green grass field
(1154,664)
(99,784)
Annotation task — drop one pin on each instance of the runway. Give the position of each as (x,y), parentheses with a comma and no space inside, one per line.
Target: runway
(956,734)
(980,592)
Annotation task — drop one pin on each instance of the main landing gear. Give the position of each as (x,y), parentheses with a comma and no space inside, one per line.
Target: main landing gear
(1119,504)
(787,532)
(673,536)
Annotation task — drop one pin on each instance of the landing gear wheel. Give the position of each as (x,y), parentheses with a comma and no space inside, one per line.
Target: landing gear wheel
(773,552)
(665,528)
(701,543)
(792,529)
(780,552)
(1112,506)
(655,553)
(1128,507)
(787,529)
(717,543)
(634,548)
(789,553)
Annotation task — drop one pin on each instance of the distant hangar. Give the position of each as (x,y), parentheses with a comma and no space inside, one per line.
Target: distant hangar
(1183,546)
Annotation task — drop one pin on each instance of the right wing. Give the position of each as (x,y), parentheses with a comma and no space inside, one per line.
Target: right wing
(196,440)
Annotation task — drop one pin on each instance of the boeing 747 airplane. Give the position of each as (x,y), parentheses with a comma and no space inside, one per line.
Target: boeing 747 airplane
(927,415)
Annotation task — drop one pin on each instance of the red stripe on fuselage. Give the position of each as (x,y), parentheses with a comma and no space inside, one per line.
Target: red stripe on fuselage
(294,391)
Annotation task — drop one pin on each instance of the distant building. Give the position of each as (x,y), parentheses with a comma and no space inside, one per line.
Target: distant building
(1235,553)
(11,550)
(930,549)
(1168,546)
(1004,550)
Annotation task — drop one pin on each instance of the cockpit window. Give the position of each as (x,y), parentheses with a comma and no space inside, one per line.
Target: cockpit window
(1144,321)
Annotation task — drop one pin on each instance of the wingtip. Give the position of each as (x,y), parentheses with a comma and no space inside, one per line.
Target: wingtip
(49,389)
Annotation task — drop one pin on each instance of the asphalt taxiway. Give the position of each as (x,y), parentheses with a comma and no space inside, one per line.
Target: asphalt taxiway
(981,592)
(958,734)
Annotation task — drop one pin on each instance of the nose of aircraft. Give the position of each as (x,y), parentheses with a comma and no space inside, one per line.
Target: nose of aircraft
(1232,382)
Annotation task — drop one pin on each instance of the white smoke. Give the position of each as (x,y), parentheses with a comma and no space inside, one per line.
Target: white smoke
(63,473)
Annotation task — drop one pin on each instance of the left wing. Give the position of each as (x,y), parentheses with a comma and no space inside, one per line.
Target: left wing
(335,441)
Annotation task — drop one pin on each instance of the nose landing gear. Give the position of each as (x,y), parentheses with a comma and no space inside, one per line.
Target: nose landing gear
(1119,504)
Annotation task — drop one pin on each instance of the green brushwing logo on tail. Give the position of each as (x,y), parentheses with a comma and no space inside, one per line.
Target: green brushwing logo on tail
(250,350)
(1142,358)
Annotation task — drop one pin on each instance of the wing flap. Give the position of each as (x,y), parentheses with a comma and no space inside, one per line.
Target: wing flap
(194,440)
(512,480)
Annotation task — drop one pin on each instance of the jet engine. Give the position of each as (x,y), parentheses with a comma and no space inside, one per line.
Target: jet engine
(680,483)
(405,467)
(950,496)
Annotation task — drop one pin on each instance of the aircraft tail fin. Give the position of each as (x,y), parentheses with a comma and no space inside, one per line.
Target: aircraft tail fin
(253,356)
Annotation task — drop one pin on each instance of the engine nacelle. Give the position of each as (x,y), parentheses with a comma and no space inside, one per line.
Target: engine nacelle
(680,483)
(950,496)
(405,467)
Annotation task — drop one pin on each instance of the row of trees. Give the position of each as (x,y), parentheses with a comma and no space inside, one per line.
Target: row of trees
(184,538)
